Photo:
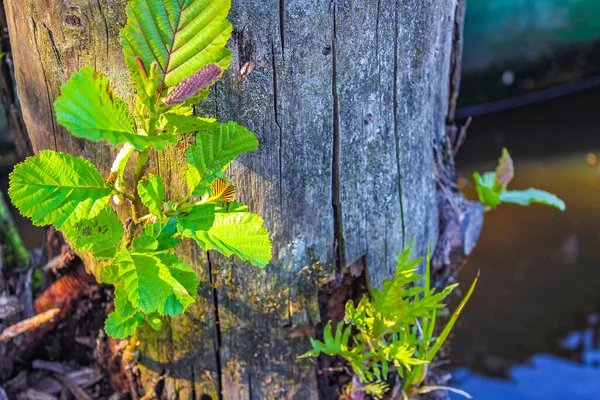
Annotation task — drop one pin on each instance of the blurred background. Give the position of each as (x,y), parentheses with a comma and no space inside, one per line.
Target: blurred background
(531,82)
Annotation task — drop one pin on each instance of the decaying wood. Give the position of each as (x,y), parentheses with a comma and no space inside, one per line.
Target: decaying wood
(28,325)
(347,99)
(64,292)
(73,387)
(32,394)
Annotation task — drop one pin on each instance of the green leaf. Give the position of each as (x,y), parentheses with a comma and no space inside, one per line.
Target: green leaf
(180,36)
(184,281)
(119,326)
(401,354)
(200,218)
(526,197)
(486,189)
(164,233)
(142,282)
(59,189)
(100,235)
(331,345)
(110,274)
(212,153)
(144,244)
(450,324)
(152,193)
(239,233)
(124,321)
(392,300)
(178,124)
(88,108)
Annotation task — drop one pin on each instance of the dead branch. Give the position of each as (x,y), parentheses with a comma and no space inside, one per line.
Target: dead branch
(28,325)
(75,390)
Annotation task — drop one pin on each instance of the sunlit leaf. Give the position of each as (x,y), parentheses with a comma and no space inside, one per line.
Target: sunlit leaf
(526,197)
(57,188)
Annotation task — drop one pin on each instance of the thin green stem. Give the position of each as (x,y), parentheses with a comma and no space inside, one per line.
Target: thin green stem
(140,170)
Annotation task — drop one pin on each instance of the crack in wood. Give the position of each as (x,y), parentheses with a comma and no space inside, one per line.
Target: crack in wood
(279,126)
(217,340)
(54,47)
(282,25)
(37,47)
(105,26)
(395,107)
(338,228)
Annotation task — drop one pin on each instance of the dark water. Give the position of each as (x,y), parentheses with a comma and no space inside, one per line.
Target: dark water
(540,268)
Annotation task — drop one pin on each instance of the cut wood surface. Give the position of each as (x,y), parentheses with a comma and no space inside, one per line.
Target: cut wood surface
(348,99)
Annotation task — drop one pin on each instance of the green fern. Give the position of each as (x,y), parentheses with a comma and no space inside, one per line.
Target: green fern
(394,327)
(175,50)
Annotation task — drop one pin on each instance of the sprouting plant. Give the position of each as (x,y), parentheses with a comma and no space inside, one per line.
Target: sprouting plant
(394,327)
(492,188)
(175,50)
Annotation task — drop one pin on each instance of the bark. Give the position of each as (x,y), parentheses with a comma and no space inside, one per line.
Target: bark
(8,96)
(347,98)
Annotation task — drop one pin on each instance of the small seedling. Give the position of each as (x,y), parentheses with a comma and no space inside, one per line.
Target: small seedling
(175,50)
(394,327)
(492,188)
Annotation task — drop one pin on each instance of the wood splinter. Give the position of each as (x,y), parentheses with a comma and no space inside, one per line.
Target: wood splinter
(28,325)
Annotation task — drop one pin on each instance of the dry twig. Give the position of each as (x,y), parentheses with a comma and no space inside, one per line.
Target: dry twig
(28,325)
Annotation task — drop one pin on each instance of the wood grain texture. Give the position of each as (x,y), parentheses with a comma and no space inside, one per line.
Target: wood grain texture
(347,99)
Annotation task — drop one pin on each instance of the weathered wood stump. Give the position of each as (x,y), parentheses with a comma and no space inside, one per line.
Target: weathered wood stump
(348,99)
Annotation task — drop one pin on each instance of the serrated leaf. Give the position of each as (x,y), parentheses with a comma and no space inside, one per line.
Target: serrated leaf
(57,188)
(212,153)
(152,193)
(238,233)
(144,244)
(164,233)
(181,36)
(120,326)
(100,235)
(184,281)
(200,218)
(141,279)
(178,124)
(88,109)
(124,321)
(526,197)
